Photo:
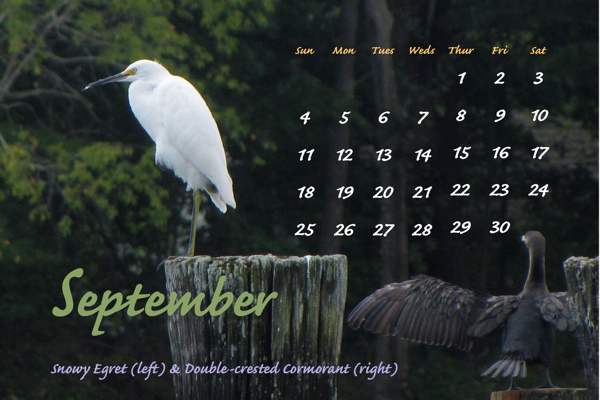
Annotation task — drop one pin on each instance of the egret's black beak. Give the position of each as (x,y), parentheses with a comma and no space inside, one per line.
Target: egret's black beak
(115,78)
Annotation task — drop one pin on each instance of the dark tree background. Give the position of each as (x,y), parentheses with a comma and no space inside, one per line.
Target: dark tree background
(79,188)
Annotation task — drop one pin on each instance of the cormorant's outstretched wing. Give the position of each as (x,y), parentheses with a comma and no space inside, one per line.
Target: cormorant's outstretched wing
(555,309)
(497,309)
(423,309)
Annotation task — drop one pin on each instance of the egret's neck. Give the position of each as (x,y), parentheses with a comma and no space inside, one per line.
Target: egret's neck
(144,108)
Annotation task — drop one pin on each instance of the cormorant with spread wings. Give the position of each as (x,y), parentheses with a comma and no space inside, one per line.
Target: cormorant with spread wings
(429,310)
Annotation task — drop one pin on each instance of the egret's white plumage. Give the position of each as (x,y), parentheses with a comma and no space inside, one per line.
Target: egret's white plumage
(177,118)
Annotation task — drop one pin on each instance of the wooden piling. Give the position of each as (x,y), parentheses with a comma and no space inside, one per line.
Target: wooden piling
(582,281)
(302,326)
(541,394)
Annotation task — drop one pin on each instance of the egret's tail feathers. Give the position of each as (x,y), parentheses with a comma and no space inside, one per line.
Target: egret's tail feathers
(219,202)
(512,368)
(221,198)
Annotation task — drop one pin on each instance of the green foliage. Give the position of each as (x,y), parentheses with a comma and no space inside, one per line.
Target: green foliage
(99,176)
(78,190)
(63,209)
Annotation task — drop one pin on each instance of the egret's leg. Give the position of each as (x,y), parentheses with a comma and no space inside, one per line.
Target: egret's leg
(197,199)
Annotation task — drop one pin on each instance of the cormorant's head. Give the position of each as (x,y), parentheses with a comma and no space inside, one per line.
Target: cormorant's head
(533,239)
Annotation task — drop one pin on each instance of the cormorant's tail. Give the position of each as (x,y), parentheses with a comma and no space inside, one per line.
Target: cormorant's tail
(512,368)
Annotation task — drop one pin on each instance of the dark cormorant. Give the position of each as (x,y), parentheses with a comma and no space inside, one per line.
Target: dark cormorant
(432,311)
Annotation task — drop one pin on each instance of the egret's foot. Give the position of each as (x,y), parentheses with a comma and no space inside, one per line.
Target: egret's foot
(163,262)
(192,245)
(191,249)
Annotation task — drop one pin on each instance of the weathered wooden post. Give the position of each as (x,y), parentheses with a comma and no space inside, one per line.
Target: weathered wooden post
(582,280)
(541,394)
(300,327)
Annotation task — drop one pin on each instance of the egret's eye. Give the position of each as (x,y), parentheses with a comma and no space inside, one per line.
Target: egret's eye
(134,70)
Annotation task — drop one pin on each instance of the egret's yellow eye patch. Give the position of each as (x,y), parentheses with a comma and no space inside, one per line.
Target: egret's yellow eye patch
(131,71)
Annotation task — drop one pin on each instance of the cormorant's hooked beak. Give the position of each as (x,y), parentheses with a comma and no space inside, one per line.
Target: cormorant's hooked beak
(115,78)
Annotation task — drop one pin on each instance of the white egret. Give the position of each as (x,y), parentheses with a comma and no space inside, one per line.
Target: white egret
(187,138)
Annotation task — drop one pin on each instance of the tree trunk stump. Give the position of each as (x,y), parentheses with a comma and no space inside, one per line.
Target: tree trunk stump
(302,326)
(582,281)
(541,394)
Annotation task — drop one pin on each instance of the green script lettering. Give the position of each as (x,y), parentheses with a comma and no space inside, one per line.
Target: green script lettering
(113,302)
(76,273)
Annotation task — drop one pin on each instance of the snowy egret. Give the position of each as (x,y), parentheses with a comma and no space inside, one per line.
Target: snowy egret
(187,138)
